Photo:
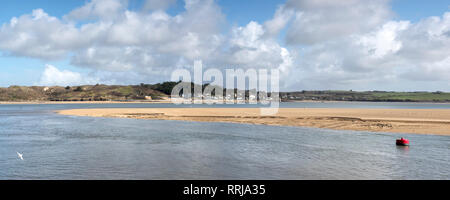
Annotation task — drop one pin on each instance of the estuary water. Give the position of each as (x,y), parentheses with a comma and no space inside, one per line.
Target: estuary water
(69,147)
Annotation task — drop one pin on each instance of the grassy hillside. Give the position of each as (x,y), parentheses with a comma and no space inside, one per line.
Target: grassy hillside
(413,96)
(367,96)
(79,93)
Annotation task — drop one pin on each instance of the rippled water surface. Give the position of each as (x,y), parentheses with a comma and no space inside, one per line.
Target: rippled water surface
(69,147)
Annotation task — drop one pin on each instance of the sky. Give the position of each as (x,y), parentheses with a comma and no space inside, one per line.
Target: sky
(395,45)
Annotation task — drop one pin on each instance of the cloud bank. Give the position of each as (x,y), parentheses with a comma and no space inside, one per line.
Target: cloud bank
(317,44)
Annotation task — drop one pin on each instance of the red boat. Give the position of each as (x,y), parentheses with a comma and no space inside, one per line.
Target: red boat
(402,142)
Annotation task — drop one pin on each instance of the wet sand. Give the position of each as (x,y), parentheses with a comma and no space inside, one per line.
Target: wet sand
(416,121)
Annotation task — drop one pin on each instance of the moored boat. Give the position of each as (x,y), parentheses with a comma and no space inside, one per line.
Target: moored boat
(402,142)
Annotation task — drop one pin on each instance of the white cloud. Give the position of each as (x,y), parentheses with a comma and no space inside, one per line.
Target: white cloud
(321,20)
(249,48)
(103,9)
(279,21)
(52,76)
(384,40)
(39,35)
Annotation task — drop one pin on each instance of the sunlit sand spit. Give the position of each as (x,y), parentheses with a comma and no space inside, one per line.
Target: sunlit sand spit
(418,121)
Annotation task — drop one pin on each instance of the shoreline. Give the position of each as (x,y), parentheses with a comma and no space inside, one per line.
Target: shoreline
(412,121)
(169,101)
(406,102)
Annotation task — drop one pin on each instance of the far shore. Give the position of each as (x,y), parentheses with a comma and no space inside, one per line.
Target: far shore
(334,101)
(414,121)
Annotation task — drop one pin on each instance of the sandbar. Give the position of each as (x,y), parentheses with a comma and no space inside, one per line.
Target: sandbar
(414,121)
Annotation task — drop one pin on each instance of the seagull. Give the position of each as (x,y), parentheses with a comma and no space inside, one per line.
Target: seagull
(20,155)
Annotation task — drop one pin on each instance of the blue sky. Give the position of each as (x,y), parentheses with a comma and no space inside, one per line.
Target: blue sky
(414,10)
(236,11)
(26,70)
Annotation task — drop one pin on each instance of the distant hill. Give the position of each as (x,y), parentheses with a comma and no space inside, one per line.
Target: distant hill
(163,90)
(375,96)
(80,93)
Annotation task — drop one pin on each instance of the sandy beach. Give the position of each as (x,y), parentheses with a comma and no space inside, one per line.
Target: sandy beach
(416,121)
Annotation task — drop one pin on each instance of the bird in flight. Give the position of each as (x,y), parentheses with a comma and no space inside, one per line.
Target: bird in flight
(20,155)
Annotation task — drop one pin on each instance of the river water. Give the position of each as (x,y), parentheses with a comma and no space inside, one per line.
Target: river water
(69,147)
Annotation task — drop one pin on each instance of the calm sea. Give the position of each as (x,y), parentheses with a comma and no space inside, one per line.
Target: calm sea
(69,147)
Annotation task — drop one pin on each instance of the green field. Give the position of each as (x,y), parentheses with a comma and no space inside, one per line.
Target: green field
(367,96)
